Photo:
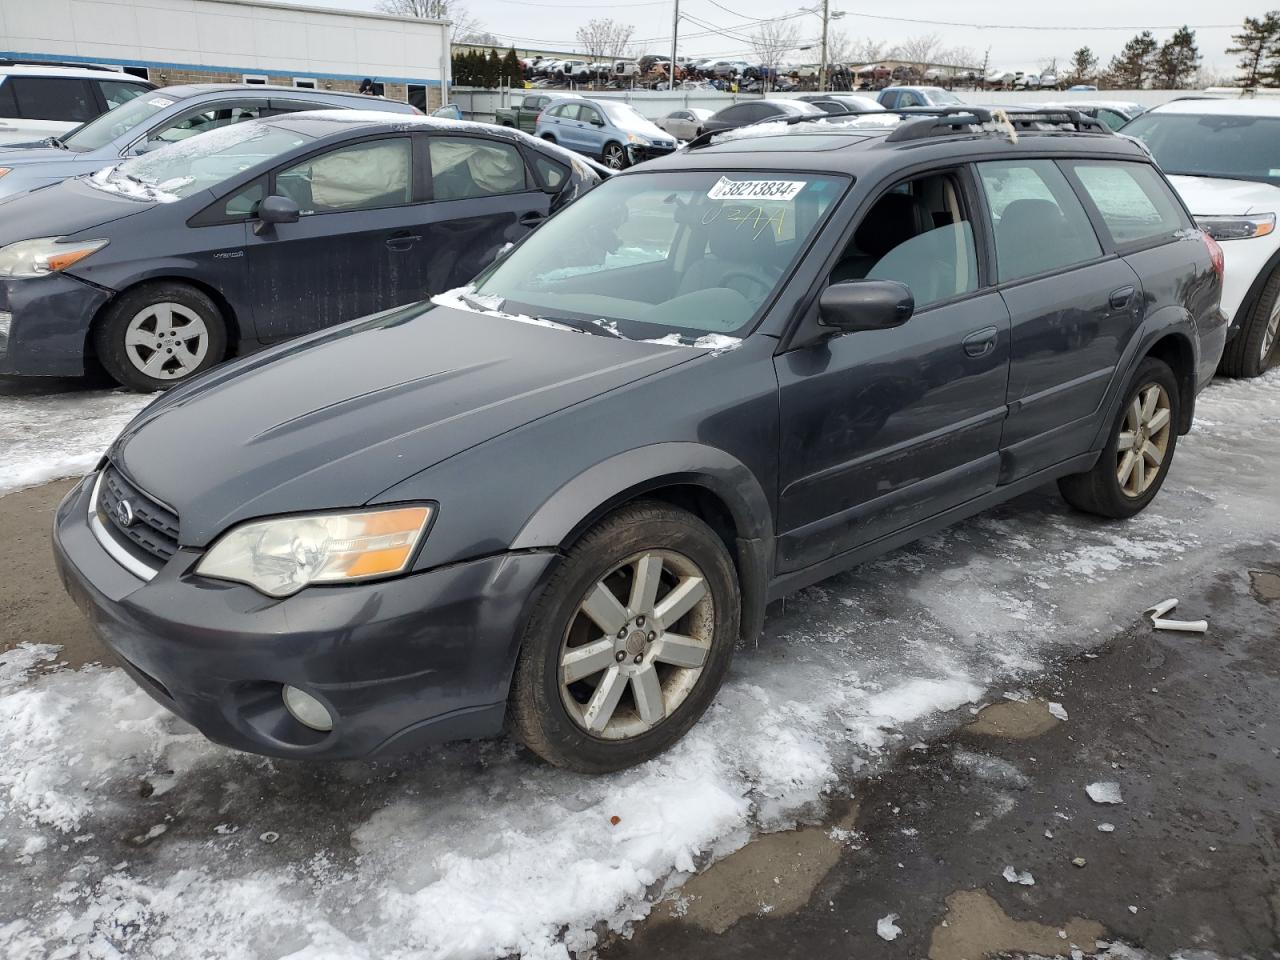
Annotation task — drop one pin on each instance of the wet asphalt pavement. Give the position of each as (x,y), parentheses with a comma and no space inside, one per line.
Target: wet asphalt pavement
(1185,723)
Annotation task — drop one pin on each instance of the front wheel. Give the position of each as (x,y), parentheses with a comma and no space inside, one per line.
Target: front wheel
(157,335)
(628,643)
(615,158)
(1136,459)
(1256,347)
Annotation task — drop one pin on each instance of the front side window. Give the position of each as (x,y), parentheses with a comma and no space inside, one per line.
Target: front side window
(1039,223)
(919,234)
(466,167)
(652,255)
(203,164)
(363,176)
(1233,147)
(117,92)
(54,98)
(1133,200)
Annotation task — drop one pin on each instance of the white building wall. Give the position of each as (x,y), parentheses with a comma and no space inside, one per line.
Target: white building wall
(228,36)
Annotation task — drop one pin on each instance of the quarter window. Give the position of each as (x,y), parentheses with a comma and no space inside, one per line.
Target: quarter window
(116,92)
(363,176)
(1134,202)
(467,167)
(1039,223)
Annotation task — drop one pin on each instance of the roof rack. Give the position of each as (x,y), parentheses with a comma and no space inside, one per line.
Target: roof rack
(705,139)
(24,62)
(950,120)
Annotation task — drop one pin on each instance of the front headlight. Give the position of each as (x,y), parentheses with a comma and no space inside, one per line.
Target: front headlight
(5,171)
(46,255)
(637,139)
(279,557)
(1238,228)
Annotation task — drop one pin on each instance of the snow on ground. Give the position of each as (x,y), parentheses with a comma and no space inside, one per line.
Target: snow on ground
(49,436)
(123,832)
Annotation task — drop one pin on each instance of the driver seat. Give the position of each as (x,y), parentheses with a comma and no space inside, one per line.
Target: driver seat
(735,244)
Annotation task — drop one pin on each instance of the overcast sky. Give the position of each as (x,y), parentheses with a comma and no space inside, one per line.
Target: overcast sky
(1039,30)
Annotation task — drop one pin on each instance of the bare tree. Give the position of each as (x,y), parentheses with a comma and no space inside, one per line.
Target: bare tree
(920,51)
(605,39)
(770,42)
(466,28)
(840,49)
(868,51)
(959,57)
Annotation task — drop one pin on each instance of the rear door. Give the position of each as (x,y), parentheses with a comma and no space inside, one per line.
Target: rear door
(1073,303)
(591,126)
(483,197)
(356,248)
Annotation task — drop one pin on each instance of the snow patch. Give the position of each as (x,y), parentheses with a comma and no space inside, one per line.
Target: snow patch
(887,927)
(1104,792)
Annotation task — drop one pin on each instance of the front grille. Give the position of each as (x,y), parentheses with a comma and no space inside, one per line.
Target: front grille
(154,527)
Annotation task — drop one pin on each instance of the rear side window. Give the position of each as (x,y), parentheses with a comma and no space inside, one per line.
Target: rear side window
(1134,201)
(64,99)
(1040,225)
(466,167)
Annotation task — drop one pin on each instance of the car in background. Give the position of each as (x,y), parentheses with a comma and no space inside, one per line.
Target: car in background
(754,111)
(841,102)
(44,99)
(450,111)
(1223,157)
(524,114)
(1112,113)
(613,132)
(898,98)
(1082,88)
(165,116)
(165,264)
(684,124)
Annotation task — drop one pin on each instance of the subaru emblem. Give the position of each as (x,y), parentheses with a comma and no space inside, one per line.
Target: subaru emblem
(124,513)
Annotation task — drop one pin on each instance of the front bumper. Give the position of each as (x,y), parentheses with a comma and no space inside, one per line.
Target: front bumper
(48,325)
(641,153)
(398,663)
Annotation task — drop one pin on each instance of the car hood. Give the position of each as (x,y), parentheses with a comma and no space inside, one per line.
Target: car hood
(62,210)
(335,419)
(1209,196)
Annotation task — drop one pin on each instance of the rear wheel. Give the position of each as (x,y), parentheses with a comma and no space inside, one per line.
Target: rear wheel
(1256,347)
(1136,459)
(629,641)
(158,335)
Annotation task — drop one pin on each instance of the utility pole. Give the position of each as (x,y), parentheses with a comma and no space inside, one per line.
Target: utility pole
(675,29)
(822,70)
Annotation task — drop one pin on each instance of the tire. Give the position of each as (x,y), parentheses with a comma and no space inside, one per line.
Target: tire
(1245,355)
(1100,490)
(549,138)
(554,720)
(167,316)
(614,157)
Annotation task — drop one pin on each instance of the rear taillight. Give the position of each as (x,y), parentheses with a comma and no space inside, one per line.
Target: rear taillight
(1215,253)
(416,110)
(538,118)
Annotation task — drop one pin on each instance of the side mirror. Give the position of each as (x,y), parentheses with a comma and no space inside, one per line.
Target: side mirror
(273,210)
(865,305)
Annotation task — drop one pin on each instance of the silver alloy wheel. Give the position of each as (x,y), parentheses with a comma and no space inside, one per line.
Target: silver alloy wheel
(1144,440)
(1269,335)
(166,341)
(614,158)
(626,667)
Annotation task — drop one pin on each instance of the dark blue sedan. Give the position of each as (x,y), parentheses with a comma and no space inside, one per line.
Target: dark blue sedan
(167,263)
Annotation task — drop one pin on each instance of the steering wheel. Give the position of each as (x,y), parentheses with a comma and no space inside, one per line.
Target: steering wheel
(764,285)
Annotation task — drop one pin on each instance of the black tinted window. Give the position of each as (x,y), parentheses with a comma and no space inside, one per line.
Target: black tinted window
(1134,202)
(54,98)
(1040,225)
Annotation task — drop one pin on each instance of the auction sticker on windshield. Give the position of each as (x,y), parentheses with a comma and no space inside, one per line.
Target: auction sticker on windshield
(159,101)
(726,189)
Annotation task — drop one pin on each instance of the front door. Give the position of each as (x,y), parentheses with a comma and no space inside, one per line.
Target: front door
(1073,309)
(883,429)
(347,255)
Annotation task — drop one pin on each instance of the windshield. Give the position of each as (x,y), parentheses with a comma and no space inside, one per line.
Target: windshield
(664,255)
(622,114)
(183,168)
(115,123)
(943,97)
(1208,145)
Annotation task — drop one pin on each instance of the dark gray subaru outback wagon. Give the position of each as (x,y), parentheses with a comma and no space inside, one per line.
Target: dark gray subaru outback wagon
(556,499)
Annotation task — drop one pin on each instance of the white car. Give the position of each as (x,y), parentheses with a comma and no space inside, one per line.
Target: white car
(684,124)
(43,100)
(1223,158)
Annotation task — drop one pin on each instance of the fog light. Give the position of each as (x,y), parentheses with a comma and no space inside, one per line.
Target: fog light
(306,709)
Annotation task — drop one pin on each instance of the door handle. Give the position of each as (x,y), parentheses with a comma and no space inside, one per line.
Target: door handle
(531,218)
(402,242)
(1119,299)
(981,342)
